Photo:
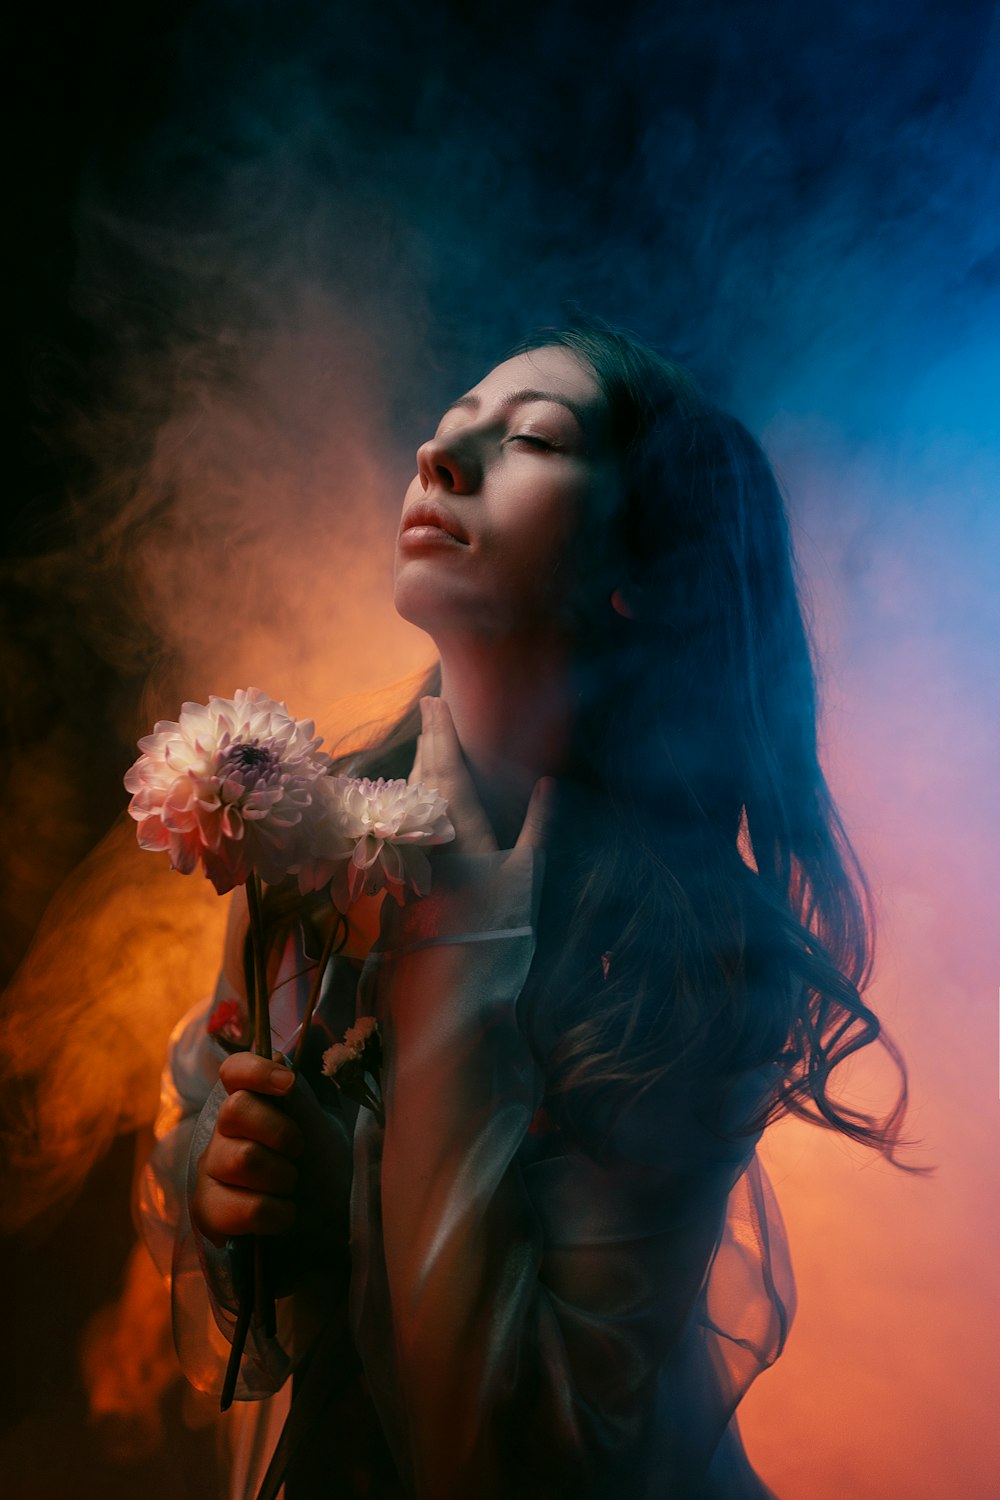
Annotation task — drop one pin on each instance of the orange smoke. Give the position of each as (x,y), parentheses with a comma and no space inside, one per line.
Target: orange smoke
(256,547)
(128,1363)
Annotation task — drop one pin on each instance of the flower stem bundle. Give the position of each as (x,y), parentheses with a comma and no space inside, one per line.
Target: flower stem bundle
(240,787)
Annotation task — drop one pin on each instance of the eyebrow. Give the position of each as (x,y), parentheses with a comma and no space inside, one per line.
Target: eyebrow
(521,398)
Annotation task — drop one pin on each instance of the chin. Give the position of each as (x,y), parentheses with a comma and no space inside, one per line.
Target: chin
(441,612)
(420,603)
(410,601)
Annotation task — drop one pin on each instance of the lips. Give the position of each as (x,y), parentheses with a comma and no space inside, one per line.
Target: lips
(427,513)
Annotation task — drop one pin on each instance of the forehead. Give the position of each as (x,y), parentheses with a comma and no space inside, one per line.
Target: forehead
(549,369)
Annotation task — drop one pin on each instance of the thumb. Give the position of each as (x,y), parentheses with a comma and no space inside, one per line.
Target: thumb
(538,816)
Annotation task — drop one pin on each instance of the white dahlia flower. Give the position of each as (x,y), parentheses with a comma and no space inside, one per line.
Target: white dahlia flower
(372,836)
(232,784)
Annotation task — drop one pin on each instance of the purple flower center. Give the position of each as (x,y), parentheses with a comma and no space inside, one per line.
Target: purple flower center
(248,759)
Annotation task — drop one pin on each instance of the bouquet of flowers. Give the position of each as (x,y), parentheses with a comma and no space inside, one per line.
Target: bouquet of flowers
(240,788)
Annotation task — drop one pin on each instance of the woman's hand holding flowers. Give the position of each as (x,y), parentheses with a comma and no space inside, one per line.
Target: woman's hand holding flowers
(239,787)
(277,1165)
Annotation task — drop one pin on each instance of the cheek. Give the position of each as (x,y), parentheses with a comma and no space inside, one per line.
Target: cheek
(541,526)
(564,530)
(569,552)
(536,574)
(534,547)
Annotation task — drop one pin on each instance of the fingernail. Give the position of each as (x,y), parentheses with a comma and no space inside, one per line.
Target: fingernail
(281,1080)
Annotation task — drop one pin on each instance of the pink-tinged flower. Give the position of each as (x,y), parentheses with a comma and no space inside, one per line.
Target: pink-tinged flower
(228,1021)
(361,1044)
(335,1057)
(372,836)
(355,1060)
(358,1034)
(229,784)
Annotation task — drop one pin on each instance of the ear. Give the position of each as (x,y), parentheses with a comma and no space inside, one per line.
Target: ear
(621,605)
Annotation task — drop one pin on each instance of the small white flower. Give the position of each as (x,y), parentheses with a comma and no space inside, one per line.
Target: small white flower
(372,835)
(337,1056)
(358,1034)
(355,1063)
(229,784)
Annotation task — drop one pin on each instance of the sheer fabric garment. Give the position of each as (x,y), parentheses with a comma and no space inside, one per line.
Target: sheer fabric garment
(518,1318)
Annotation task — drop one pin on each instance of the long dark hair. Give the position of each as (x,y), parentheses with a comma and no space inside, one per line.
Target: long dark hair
(705,915)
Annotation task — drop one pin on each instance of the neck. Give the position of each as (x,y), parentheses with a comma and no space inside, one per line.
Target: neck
(513,701)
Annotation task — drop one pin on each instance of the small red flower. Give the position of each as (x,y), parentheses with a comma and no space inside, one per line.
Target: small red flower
(226,1021)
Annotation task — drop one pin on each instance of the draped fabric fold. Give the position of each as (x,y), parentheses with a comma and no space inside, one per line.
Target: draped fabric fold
(542,1323)
(527,1320)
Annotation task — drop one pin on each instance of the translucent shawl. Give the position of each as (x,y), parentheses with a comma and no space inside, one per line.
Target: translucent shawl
(523,1319)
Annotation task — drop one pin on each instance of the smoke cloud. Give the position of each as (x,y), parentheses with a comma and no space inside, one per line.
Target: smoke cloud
(286,237)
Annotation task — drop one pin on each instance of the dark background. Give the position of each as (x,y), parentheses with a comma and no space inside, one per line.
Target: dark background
(800,203)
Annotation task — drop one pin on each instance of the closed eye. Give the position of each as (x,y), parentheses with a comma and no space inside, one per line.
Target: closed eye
(530,437)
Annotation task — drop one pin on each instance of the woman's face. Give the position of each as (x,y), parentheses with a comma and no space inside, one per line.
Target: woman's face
(509,495)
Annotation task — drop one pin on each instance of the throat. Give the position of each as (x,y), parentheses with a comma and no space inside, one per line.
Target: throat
(514,711)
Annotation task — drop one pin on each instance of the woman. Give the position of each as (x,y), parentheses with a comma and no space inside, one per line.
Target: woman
(647,942)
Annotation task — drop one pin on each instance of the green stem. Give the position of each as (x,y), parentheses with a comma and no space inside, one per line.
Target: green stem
(245,1275)
(262,1017)
(329,948)
(255,1298)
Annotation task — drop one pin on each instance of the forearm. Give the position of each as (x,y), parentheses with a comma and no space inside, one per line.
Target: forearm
(459,1237)
(532,1306)
(462,1245)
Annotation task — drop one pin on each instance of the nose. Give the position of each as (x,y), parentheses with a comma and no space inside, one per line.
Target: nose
(449,464)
